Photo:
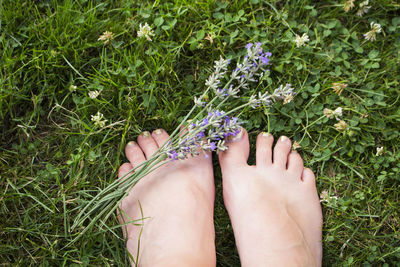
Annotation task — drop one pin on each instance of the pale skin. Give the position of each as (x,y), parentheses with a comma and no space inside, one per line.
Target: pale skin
(273,206)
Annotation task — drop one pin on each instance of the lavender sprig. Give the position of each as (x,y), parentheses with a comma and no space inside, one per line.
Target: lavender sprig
(285,93)
(205,135)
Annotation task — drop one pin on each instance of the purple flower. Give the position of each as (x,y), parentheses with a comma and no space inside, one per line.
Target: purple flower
(227,134)
(236,132)
(173,155)
(200,135)
(249,45)
(212,146)
(264,60)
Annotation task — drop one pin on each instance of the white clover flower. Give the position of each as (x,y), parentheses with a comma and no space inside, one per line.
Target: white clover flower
(375,28)
(333,113)
(300,41)
(94,94)
(379,151)
(145,31)
(348,5)
(328,112)
(97,119)
(106,37)
(363,8)
(325,197)
(339,87)
(341,126)
(288,99)
(72,88)
(338,112)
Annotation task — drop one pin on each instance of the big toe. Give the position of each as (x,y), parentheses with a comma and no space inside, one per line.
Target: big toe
(237,152)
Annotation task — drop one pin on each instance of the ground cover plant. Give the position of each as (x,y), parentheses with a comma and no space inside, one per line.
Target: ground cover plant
(79,79)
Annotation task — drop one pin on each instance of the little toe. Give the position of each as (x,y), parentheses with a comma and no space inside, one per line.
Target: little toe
(147,144)
(237,152)
(295,164)
(134,153)
(281,151)
(308,176)
(264,149)
(160,136)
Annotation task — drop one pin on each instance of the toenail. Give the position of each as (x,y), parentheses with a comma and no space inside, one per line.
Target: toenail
(145,134)
(284,138)
(237,137)
(131,143)
(266,134)
(158,131)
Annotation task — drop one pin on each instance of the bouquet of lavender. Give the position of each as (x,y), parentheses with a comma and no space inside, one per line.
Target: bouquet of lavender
(206,131)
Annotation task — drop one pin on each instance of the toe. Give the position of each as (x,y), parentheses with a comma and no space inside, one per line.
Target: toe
(295,164)
(160,136)
(124,169)
(237,152)
(281,151)
(308,176)
(134,153)
(147,144)
(264,149)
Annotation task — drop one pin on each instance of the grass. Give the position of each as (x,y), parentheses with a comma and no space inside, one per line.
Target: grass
(53,157)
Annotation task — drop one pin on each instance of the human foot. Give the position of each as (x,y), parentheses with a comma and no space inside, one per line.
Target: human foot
(274,206)
(177,201)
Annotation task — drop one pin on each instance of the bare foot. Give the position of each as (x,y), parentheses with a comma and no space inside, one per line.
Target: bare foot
(274,206)
(178,200)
